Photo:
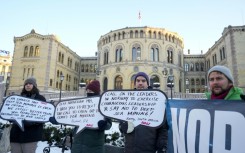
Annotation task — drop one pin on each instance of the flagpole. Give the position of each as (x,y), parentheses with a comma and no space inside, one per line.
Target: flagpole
(139,18)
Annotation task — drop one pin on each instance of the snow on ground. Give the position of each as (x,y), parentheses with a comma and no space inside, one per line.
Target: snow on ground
(42,144)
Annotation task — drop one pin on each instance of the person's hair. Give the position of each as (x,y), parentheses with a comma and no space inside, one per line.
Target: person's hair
(33,91)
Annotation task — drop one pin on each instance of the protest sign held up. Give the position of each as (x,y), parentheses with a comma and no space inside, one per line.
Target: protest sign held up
(145,107)
(79,112)
(17,108)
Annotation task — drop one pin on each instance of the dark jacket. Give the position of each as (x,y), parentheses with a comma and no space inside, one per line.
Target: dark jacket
(90,140)
(33,131)
(147,139)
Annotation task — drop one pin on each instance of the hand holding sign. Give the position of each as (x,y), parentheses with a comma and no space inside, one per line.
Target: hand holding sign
(79,112)
(19,108)
(145,107)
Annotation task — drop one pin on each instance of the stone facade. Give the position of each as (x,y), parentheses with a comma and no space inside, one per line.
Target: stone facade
(5,70)
(121,54)
(45,58)
(124,52)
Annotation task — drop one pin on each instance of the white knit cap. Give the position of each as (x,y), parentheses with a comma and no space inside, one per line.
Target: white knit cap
(223,70)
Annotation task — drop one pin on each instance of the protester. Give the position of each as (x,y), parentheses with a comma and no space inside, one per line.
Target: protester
(220,81)
(26,141)
(143,139)
(92,140)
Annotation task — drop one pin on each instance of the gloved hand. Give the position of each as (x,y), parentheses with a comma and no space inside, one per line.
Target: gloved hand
(53,120)
(104,124)
(242,97)
(126,127)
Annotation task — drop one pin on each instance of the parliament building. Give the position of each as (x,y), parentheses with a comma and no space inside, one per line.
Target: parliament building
(121,54)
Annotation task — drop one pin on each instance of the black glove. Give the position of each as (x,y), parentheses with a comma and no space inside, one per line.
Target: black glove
(53,120)
(126,127)
(104,124)
(243,97)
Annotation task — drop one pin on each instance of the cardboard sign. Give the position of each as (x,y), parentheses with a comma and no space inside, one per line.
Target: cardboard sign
(17,108)
(145,107)
(215,126)
(79,112)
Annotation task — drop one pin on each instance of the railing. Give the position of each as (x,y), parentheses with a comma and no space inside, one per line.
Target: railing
(178,95)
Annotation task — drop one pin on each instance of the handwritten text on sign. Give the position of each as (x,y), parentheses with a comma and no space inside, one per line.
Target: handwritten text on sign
(145,107)
(79,112)
(20,108)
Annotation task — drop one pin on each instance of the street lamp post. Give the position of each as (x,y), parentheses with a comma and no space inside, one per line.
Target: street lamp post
(171,85)
(61,80)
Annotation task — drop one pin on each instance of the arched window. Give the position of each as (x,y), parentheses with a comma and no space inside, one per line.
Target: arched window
(62,59)
(159,35)
(59,59)
(118,82)
(131,34)
(136,34)
(187,81)
(36,51)
(26,51)
(82,68)
(119,54)
(202,66)
(192,81)
(197,82)
(115,37)
(31,52)
(191,67)
(141,34)
(123,35)
(197,66)
(170,55)
(155,53)
(149,34)
(106,56)
(86,68)
(132,81)
(154,35)
(119,36)
(186,67)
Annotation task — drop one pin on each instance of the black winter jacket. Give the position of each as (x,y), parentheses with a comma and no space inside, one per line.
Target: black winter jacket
(147,139)
(33,131)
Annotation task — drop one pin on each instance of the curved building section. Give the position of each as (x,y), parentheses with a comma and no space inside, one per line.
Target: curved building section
(124,52)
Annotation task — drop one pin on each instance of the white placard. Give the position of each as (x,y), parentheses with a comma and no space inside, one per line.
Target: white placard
(79,112)
(17,108)
(145,107)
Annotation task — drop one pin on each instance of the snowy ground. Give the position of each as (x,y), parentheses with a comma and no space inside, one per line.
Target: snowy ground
(42,144)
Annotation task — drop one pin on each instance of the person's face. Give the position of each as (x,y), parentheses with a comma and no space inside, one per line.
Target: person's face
(141,83)
(28,87)
(218,83)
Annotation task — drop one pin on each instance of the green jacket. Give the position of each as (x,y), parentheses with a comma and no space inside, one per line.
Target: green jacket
(234,94)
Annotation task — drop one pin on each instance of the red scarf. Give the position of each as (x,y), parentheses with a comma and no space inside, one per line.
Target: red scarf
(222,95)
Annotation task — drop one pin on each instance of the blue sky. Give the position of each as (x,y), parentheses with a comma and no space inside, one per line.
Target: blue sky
(79,23)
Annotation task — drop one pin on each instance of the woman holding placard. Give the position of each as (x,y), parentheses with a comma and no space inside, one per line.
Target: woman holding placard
(26,141)
(91,140)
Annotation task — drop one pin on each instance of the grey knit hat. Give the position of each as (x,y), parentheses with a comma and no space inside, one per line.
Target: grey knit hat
(223,70)
(31,80)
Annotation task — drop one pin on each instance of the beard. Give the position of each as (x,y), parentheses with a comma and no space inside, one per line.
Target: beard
(218,90)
